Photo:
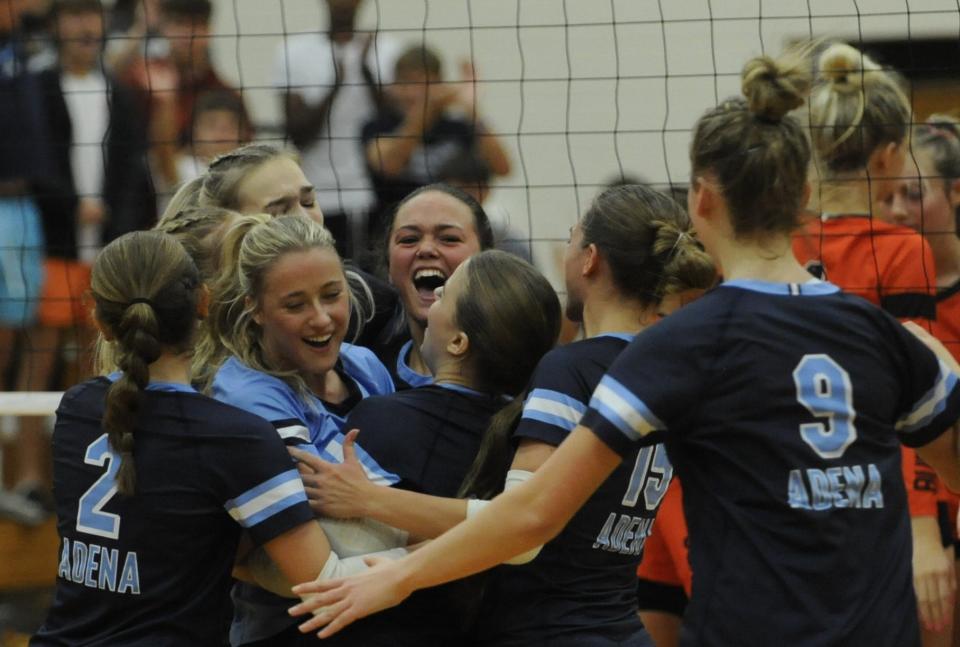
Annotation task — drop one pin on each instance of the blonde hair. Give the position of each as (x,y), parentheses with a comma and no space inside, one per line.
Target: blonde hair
(251,246)
(221,182)
(855,107)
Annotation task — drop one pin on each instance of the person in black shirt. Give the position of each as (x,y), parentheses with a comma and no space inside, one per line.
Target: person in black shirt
(492,322)
(154,482)
(424,125)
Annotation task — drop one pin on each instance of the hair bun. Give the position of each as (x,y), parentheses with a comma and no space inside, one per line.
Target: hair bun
(843,66)
(774,87)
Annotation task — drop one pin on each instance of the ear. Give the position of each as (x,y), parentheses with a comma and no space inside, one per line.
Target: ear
(203,303)
(703,198)
(459,345)
(101,327)
(954,193)
(888,160)
(250,305)
(591,260)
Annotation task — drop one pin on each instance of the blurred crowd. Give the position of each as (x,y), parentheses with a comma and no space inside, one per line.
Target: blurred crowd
(107,108)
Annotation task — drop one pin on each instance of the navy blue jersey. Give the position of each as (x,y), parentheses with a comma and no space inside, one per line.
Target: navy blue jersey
(581,588)
(311,425)
(428,436)
(782,407)
(154,568)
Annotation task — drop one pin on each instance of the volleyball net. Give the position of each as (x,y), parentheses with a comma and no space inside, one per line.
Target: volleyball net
(581,94)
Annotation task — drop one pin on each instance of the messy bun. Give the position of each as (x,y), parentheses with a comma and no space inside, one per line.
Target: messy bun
(685,265)
(856,107)
(774,87)
(757,152)
(643,236)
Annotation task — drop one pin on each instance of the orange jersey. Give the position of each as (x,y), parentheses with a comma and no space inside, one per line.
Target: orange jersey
(888,265)
(665,552)
(947,326)
(947,329)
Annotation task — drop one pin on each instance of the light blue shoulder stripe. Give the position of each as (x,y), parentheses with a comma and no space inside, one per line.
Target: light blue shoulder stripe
(931,404)
(624,410)
(553,408)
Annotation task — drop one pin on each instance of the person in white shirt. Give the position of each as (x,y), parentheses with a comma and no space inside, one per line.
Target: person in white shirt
(330,84)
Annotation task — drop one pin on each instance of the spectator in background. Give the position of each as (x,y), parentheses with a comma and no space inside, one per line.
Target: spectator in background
(99,190)
(134,33)
(426,124)
(170,85)
(25,168)
(99,139)
(218,128)
(330,84)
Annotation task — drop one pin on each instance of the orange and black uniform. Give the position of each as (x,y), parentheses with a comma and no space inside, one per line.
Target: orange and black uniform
(664,574)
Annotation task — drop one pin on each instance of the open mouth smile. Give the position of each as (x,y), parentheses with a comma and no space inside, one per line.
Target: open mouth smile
(427,280)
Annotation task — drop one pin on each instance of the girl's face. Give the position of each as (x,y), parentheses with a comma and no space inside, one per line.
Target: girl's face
(278,187)
(441,320)
(919,199)
(303,313)
(432,235)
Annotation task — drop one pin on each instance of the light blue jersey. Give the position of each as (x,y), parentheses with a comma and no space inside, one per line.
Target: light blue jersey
(309,425)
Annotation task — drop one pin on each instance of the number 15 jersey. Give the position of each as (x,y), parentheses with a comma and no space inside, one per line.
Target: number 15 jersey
(782,406)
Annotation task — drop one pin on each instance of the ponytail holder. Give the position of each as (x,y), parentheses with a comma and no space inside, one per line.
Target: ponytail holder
(141,300)
(683,236)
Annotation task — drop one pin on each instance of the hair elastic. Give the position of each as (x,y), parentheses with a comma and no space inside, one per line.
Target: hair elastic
(141,300)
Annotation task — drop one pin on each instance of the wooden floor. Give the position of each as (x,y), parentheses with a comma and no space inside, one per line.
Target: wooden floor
(28,561)
(28,556)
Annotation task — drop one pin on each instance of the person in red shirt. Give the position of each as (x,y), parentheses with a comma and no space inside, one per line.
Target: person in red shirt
(170,82)
(859,116)
(926,200)
(664,575)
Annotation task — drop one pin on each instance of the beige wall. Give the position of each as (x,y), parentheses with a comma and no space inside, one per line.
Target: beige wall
(551,83)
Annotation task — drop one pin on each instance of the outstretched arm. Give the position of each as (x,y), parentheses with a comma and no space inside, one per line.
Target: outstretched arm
(526,516)
(342,490)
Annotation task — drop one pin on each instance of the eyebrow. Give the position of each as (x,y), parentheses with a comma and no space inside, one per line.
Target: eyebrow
(298,293)
(279,201)
(441,226)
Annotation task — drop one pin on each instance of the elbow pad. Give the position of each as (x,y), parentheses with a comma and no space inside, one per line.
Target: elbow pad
(474,506)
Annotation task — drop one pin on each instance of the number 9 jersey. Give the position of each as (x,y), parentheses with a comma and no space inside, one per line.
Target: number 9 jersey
(154,568)
(782,406)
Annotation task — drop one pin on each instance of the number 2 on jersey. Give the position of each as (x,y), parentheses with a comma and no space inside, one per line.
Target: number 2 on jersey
(824,388)
(90,516)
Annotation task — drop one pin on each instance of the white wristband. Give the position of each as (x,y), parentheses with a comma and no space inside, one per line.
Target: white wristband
(474,506)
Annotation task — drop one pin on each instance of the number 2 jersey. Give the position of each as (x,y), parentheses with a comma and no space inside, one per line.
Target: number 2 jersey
(581,588)
(154,568)
(782,406)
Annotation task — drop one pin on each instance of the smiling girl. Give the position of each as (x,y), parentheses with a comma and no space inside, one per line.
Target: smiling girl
(434,229)
(282,309)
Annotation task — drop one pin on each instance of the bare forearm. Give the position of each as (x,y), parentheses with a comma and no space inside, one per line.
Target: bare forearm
(422,515)
(492,152)
(388,155)
(518,520)
(305,124)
